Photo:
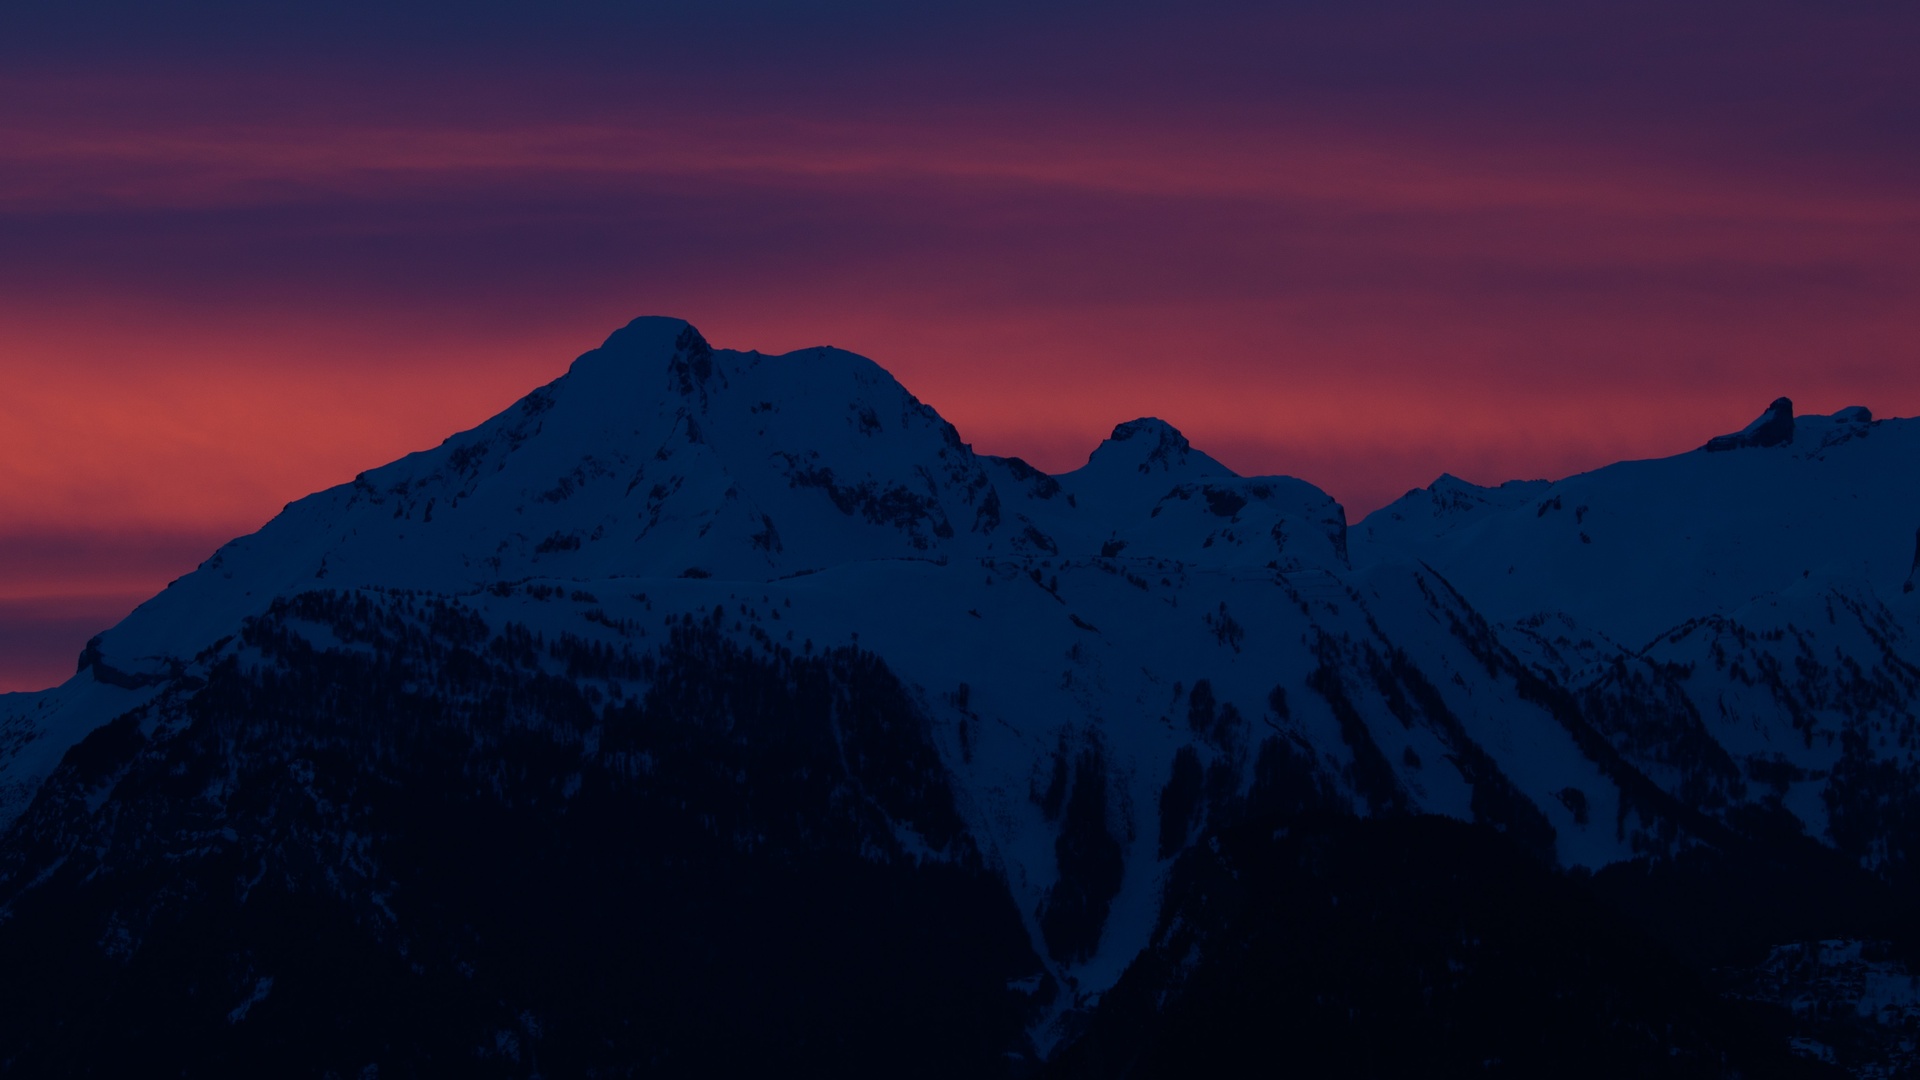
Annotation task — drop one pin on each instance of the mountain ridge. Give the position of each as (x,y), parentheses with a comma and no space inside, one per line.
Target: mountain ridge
(1057,687)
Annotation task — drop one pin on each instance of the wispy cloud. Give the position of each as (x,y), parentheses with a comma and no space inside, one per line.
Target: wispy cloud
(244,257)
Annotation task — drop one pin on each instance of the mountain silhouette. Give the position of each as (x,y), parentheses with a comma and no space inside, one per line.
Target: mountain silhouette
(710,712)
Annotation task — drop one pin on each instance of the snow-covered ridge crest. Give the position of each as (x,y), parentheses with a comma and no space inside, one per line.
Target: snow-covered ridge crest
(657,455)
(1638,547)
(1100,666)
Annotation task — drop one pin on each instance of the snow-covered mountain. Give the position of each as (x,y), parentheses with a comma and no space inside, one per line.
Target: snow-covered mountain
(765,626)
(1754,600)
(1638,548)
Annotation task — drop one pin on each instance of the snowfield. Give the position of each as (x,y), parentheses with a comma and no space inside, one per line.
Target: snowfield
(1109,661)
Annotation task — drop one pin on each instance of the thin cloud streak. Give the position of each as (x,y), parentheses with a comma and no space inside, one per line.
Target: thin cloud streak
(76,163)
(1358,244)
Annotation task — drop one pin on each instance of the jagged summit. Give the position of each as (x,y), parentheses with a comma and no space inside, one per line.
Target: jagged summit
(1150,446)
(1773,428)
(1807,434)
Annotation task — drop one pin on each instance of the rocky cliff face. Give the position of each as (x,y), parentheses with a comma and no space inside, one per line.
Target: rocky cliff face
(713,711)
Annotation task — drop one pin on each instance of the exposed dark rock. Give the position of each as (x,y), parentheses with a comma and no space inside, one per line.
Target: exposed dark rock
(1773,428)
(1090,865)
(1224,502)
(1179,801)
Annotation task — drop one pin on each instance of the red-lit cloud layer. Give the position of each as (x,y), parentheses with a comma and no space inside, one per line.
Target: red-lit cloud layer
(1360,250)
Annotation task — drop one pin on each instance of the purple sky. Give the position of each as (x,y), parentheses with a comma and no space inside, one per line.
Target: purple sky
(249,250)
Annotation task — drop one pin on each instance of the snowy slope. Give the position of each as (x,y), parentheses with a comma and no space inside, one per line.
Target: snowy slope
(1740,619)
(1636,548)
(1110,661)
(656,456)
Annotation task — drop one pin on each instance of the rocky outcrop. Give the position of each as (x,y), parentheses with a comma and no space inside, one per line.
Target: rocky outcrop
(1773,428)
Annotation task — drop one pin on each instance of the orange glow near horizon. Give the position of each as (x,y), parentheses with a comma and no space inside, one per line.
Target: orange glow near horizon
(222,291)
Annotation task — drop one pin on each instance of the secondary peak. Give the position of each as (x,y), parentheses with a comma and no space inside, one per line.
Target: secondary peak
(1150,445)
(1773,428)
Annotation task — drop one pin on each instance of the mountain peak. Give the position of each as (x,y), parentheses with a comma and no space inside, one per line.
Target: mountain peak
(1150,426)
(651,335)
(634,350)
(1773,428)
(1150,445)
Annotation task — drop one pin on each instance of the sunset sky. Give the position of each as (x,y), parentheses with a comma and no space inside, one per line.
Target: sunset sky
(247,250)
